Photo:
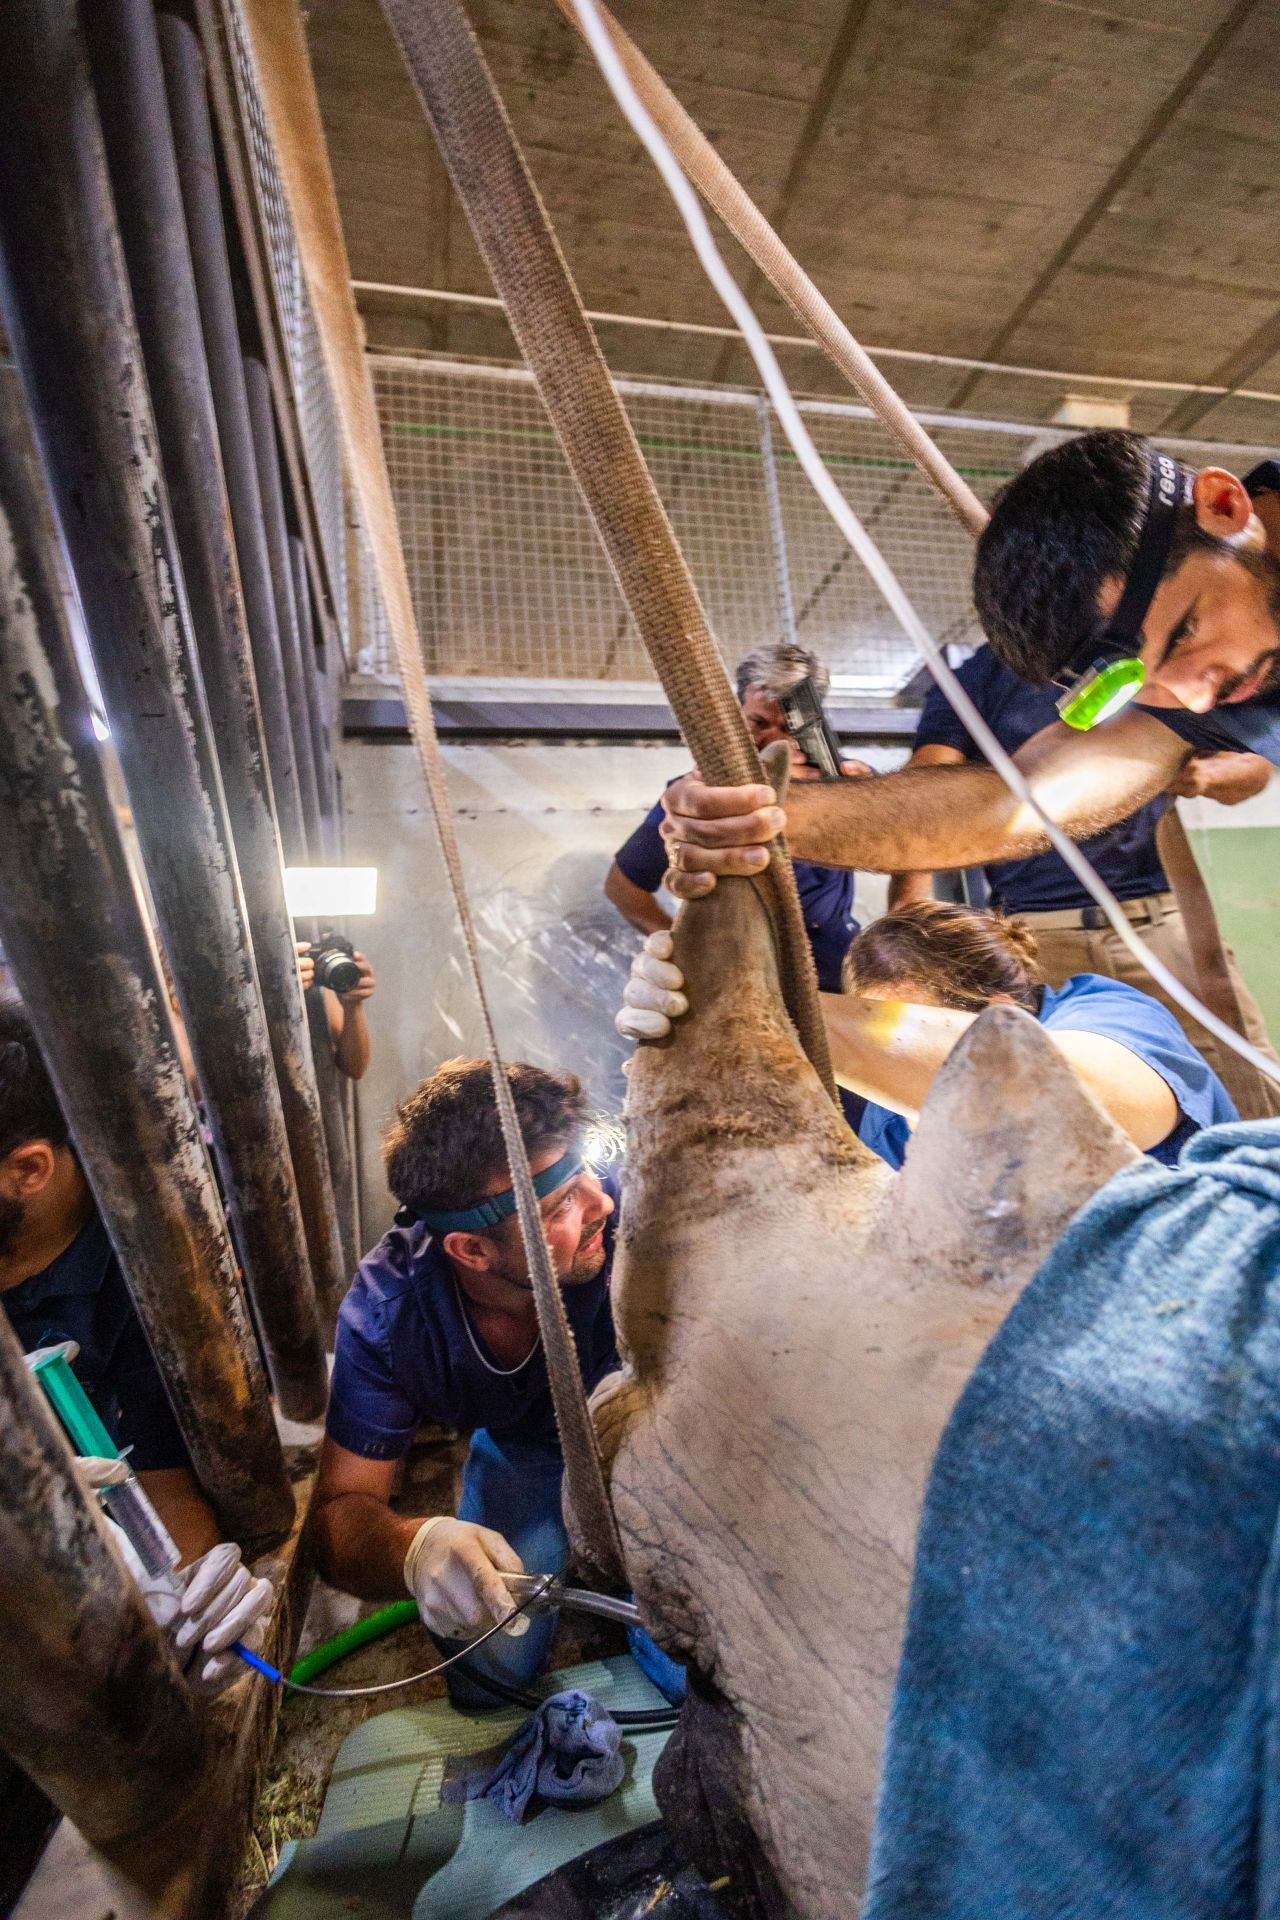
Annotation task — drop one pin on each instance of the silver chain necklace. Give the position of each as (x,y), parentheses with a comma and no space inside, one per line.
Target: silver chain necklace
(503,1373)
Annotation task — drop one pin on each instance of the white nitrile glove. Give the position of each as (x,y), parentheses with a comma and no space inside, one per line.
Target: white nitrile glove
(452,1570)
(221,1602)
(203,1607)
(653,998)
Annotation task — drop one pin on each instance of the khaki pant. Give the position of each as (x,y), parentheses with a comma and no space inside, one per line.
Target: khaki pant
(1067,950)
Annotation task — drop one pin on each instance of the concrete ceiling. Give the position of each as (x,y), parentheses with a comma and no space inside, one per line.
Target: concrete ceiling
(1052,183)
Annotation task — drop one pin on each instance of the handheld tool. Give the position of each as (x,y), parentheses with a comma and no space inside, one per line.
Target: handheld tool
(120,1490)
(123,1497)
(544,1592)
(810,729)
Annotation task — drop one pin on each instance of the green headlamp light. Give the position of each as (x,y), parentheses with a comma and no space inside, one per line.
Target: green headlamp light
(1106,670)
(1101,691)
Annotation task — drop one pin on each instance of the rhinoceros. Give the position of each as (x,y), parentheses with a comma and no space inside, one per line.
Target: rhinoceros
(796,1324)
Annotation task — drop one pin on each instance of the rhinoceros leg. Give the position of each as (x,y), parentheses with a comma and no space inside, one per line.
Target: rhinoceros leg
(797,1327)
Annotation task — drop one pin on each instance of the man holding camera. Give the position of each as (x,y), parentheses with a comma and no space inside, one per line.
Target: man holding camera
(440,1325)
(346,981)
(826,893)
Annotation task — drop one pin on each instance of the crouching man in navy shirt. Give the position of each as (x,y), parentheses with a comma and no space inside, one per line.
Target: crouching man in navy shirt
(440,1325)
(60,1281)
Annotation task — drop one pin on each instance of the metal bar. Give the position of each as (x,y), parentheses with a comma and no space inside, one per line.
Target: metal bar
(321,747)
(216,22)
(262,416)
(333,1103)
(491,303)
(382,716)
(126,57)
(75,936)
(69,316)
(92,1704)
(1024,430)
(184,75)
(777,533)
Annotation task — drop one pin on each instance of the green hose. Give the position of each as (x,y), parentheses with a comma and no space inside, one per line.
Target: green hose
(372,1627)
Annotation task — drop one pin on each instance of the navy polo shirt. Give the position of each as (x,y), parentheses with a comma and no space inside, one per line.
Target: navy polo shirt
(826,895)
(1250,726)
(82,1296)
(1090,1003)
(1124,856)
(404,1353)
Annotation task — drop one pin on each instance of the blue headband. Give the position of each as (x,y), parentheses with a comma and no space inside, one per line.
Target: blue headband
(496,1207)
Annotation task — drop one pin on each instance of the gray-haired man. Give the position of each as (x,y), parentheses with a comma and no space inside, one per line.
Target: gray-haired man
(826,893)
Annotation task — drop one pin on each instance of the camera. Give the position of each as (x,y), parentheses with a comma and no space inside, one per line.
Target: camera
(333,957)
(808,725)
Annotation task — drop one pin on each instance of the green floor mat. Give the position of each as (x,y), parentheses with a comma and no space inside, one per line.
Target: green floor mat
(385,1849)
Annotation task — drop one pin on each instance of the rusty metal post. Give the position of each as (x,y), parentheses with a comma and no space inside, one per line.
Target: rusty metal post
(262,414)
(92,1704)
(185,84)
(126,58)
(67,309)
(321,749)
(333,1102)
(86,968)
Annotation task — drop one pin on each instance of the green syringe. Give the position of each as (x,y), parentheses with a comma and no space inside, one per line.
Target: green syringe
(122,1495)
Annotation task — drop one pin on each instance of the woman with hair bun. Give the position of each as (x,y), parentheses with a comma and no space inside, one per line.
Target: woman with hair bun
(915,981)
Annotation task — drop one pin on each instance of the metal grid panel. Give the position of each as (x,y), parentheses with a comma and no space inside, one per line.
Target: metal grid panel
(509,579)
(317,415)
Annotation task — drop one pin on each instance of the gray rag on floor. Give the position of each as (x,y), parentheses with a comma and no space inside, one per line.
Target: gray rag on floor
(1085,1722)
(567,1753)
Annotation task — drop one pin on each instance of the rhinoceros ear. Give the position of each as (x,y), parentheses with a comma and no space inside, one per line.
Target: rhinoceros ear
(776,761)
(1008,1147)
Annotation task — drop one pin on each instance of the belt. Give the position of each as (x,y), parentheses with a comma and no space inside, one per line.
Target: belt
(1152,908)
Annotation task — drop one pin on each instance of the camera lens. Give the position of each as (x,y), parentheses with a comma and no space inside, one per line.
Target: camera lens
(335,965)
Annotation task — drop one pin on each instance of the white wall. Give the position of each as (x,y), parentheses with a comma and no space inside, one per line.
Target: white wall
(538,827)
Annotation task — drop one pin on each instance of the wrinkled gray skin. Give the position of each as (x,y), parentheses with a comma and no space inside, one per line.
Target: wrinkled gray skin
(797,1324)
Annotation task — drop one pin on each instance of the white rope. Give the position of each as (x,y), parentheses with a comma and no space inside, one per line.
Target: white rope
(714,266)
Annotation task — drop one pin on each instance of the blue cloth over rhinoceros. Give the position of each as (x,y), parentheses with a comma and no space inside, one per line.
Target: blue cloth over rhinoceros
(1085,1720)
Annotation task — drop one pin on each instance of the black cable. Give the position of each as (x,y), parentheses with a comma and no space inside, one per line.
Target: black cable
(655,1718)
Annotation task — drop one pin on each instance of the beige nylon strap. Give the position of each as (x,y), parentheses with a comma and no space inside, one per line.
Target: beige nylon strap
(293,115)
(555,336)
(729,201)
(529,271)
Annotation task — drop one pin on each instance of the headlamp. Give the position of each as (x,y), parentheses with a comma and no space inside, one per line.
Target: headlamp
(496,1207)
(1106,671)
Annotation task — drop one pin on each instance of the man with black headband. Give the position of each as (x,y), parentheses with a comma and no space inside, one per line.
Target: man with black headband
(440,1326)
(1150,595)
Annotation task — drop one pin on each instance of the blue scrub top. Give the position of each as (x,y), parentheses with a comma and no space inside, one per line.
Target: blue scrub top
(826,895)
(403,1354)
(82,1296)
(1124,855)
(1251,726)
(1090,1003)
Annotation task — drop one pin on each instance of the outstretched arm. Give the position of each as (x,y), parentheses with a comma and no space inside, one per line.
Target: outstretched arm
(926,817)
(906,888)
(451,1567)
(890,1052)
(643,911)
